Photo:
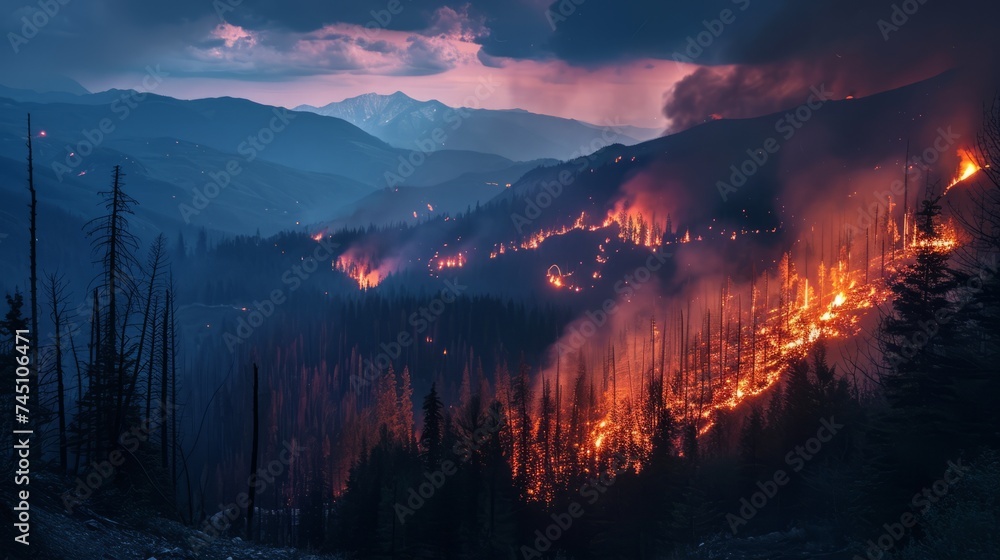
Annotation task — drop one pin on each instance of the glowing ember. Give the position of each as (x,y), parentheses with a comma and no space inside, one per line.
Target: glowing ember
(560,280)
(441,263)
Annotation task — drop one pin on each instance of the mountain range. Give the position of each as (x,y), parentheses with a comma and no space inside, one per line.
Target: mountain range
(515,134)
(321,172)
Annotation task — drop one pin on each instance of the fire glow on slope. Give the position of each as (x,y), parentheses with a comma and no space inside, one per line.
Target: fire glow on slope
(361,270)
(692,363)
(437,263)
(632,228)
(694,367)
(966,168)
(560,280)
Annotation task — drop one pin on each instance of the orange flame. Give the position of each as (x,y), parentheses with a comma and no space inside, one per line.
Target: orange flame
(361,270)
(967,167)
(559,280)
(440,263)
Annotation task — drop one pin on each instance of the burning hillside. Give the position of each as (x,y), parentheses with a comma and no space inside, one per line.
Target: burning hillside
(690,355)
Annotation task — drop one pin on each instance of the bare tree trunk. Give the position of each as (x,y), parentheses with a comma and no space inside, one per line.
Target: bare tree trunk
(753,325)
(154,260)
(252,491)
(79,401)
(33,247)
(112,300)
(739,339)
(164,377)
(96,375)
(173,387)
(152,355)
(60,387)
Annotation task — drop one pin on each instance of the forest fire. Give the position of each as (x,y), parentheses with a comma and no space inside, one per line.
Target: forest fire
(360,270)
(498,281)
(967,168)
(632,228)
(439,263)
(560,280)
(694,367)
(692,359)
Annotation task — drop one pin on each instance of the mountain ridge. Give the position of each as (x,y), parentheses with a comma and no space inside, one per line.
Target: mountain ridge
(516,134)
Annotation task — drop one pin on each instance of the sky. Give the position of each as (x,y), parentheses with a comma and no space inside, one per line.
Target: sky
(667,64)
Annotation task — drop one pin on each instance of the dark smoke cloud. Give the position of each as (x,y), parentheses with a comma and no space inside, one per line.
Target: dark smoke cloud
(855,47)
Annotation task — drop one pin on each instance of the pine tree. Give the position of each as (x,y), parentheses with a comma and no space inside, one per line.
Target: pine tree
(405,407)
(544,437)
(921,294)
(431,438)
(800,406)
(751,445)
(521,426)
(921,429)
(387,406)
(915,340)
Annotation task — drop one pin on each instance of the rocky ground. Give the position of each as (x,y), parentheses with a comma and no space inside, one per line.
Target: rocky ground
(85,535)
(794,544)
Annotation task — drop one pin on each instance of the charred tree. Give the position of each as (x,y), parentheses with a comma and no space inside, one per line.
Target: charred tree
(156,255)
(252,490)
(56,301)
(114,246)
(33,246)
(165,376)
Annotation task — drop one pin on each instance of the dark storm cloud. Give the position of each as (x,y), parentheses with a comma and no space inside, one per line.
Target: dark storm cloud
(601,31)
(85,38)
(423,57)
(292,15)
(778,45)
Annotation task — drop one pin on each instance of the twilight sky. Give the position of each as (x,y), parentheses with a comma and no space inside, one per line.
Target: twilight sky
(596,60)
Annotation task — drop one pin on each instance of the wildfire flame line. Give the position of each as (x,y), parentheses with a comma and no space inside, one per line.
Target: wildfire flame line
(967,168)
